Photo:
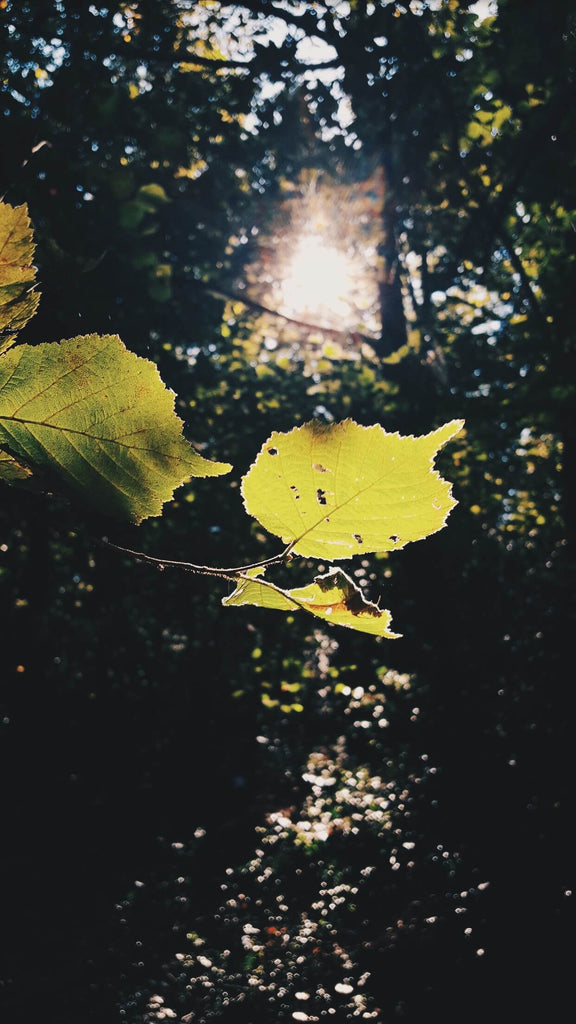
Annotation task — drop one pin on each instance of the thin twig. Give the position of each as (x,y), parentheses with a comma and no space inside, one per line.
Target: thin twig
(230,573)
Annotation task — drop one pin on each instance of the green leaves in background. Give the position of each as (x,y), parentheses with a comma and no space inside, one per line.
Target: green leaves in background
(18,300)
(341,490)
(333,597)
(99,418)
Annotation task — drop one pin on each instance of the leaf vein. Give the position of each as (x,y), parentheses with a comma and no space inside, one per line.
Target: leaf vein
(92,437)
(56,380)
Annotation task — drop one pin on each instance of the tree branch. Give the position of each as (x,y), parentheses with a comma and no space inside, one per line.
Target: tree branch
(332,332)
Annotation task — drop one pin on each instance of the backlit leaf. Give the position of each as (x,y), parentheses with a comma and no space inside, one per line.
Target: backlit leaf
(333,597)
(18,300)
(99,418)
(12,471)
(341,490)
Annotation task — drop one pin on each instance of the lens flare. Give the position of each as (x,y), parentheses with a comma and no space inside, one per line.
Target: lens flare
(319,282)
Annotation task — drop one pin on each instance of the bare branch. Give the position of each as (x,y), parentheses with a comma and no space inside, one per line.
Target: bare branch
(331,332)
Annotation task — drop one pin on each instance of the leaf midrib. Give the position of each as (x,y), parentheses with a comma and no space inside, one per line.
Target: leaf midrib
(338,508)
(84,433)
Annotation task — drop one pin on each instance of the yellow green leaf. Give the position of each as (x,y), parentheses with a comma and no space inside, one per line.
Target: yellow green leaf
(11,470)
(100,419)
(338,490)
(333,597)
(18,300)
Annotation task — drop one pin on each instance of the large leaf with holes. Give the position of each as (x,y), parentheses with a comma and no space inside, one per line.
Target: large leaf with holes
(333,491)
(333,597)
(100,419)
(18,300)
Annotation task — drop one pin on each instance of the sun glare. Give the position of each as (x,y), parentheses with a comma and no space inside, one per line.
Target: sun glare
(319,281)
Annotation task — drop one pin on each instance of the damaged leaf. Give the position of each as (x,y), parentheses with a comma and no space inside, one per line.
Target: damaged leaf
(333,597)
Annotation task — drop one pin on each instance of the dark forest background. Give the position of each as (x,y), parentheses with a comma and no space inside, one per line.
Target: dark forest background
(230,815)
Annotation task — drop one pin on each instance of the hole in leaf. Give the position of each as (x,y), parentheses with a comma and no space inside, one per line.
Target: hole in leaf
(272,451)
(321,496)
(358,538)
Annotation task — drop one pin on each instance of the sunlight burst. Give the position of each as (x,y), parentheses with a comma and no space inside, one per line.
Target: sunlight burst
(320,281)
